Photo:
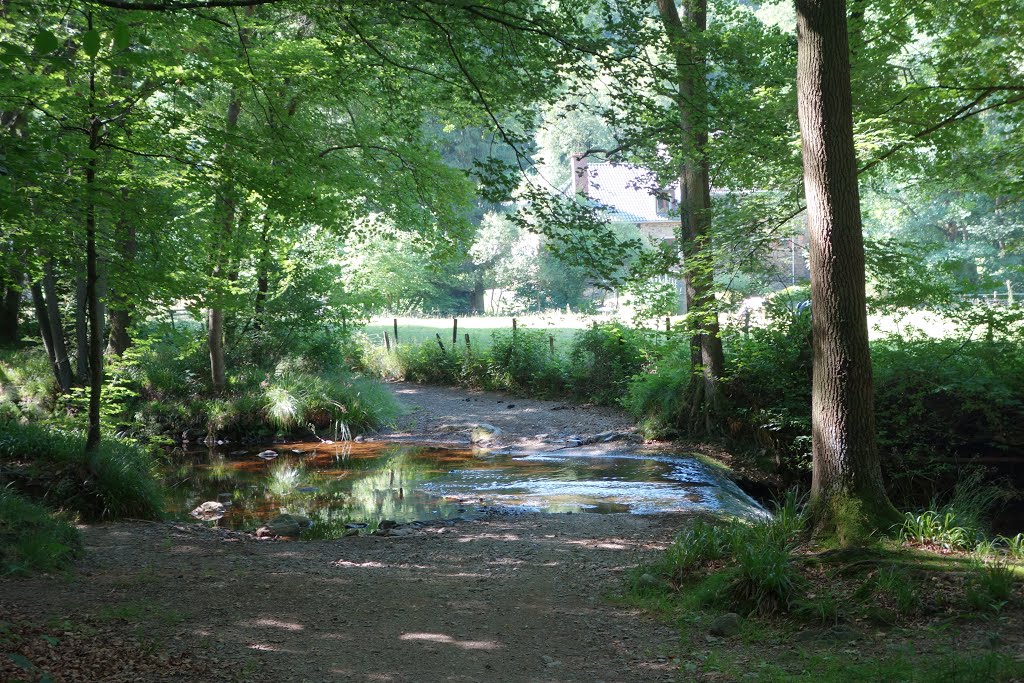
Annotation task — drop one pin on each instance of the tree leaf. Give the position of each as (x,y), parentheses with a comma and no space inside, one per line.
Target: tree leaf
(91,42)
(45,42)
(122,37)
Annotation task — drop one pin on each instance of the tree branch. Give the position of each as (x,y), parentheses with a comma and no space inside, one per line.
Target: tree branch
(174,5)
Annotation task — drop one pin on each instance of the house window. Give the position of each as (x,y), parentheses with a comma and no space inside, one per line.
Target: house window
(666,204)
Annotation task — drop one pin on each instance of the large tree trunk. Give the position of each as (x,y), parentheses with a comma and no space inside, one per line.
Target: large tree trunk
(708,357)
(52,310)
(215,315)
(92,441)
(10,309)
(847,494)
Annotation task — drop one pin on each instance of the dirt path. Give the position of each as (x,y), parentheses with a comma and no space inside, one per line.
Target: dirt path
(446,415)
(517,598)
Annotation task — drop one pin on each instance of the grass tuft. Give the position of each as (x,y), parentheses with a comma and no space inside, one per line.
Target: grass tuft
(32,539)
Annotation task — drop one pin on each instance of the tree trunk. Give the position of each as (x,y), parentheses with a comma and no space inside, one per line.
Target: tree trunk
(262,280)
(81,331)
(215,315)
(52,309)
(708,357)
(46,333)
(118,339)
(10,309)
(847,495)
(477,303)
(92,298)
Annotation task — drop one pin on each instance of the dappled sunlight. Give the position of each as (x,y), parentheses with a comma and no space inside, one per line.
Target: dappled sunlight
(490,537)
(371,564)
(448,640)
(276,623)
(266,647)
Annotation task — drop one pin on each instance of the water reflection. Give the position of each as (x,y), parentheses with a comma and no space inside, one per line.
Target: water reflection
(343,483)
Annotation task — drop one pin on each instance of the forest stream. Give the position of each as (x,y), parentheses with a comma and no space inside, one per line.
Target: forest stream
(507,593)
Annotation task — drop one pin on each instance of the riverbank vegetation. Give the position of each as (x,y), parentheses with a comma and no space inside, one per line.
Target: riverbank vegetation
(889,602)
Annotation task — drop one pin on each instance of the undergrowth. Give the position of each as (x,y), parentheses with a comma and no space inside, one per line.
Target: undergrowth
(116,482)
(32,538)
(782,584)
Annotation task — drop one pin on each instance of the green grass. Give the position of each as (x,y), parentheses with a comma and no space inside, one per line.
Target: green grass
(32,538)
(118,481)
(480,329)
(876,612)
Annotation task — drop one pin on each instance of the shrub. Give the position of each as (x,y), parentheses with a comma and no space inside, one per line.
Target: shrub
(27,385)
(521,361)
(603,361)
(941,401)
(117,481)
(32,538)
(660,399)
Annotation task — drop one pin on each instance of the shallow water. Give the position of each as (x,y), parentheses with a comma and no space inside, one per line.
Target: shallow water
(339,484)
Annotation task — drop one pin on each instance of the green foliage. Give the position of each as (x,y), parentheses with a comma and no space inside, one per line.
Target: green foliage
(991,585)
(117,481)
(27,386)
(603,361)
(33,539)
(521,361)
(938,400)
(739,565)
(1014,545)
(660,399)
(935,528)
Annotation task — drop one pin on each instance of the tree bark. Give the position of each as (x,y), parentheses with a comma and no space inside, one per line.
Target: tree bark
(847,494)
(52,309)
(707,356)
(118,339)
(81,331)
(10,309)
(92,440)
(262,279)
(46,333)
(215,315)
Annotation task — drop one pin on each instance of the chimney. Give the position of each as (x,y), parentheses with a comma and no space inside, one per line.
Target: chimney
(579,172)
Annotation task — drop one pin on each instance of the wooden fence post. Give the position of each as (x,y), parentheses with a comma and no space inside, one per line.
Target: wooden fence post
(467,344)
(551,345)
(455,332)
(396,333)
(387,341)
(439,342)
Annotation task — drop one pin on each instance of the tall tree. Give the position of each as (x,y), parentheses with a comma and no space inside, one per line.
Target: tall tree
(684,34)
(846,489)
